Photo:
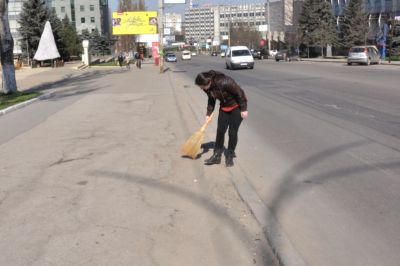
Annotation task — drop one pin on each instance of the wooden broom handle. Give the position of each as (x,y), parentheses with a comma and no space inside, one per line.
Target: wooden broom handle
(203,128)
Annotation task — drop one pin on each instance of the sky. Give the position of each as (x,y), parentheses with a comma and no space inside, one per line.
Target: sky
(180,8)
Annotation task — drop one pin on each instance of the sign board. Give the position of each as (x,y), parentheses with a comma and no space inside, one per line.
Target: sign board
(225,37)
(174,1)
(262,27)
(167,31)
(215,43)
(134,22)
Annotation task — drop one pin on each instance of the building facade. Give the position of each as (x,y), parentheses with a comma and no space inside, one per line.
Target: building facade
(86,14)
(213,22)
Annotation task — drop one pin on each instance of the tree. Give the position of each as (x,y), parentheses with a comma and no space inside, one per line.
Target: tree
(244,35)
(354,24)
(6,50)
(71,43)
(317,26)
(56,26)
(308,22)
(32,19)
(326,32)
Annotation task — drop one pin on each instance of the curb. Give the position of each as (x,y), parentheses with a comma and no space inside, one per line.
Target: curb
(284,251)
(26,103)
(345,62)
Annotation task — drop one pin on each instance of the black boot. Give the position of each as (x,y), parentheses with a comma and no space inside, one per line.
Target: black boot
(215,158)
(229,158)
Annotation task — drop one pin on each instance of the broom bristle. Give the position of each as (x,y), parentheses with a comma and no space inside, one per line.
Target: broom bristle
(192,145)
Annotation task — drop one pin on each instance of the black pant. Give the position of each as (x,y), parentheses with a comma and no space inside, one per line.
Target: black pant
(232,121)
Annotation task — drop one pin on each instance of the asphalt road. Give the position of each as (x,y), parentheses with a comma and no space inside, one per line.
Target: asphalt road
(94,176)
(321,147)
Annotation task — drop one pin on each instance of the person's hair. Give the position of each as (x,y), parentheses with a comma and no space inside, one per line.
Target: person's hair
(204,78)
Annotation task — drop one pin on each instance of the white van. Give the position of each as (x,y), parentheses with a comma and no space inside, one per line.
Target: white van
(186,55)
(238,57)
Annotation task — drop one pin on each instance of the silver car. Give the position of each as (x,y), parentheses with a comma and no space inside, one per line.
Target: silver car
(363,55)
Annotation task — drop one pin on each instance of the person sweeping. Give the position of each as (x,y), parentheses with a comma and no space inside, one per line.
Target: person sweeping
(233,109)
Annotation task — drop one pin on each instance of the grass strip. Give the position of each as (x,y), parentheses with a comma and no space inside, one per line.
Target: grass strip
(7,100)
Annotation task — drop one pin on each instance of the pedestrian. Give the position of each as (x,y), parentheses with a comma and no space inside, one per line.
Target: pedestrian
(233,109)
(120,60)
(128,61)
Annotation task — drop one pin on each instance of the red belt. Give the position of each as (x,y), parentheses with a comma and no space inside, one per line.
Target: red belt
(229,108)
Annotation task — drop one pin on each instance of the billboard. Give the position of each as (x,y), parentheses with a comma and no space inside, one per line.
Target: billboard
(134,22)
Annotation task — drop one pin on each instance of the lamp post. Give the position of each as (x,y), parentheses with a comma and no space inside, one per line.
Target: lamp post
(161,35)
(269,28)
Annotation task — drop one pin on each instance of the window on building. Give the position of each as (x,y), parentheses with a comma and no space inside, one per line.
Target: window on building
(245,14)
(82,8)
(63,9)
(251,14)
(92,19)
(82,20)
(91,7)
(240,14)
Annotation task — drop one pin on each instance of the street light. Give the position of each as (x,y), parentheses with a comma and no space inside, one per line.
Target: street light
(160,32)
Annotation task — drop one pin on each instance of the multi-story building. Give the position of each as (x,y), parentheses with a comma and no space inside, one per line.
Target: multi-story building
(200,23)
(214,22)
(249,15)
(84,14)
(87,14)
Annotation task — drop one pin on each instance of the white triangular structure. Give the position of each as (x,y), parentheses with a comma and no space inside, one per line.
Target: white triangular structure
(47,46)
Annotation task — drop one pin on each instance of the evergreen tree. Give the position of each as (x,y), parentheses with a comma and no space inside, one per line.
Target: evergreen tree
(95,42)
(70,39)
(308,22)
(354,24)
(56,26)
(326,33)
(32,19)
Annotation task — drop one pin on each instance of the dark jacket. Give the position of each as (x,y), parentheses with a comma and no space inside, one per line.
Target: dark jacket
(227,91)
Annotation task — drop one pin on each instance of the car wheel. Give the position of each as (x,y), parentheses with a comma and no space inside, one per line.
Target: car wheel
(349,64)
(252,67)
(277,60)
(227,67)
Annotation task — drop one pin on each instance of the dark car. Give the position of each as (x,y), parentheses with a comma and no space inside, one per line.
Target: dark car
(286,55)
(214,54)
(171,57)
(260,54)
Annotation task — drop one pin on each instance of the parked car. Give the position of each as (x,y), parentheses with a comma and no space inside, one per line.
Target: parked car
(367,54)
(171,57)
(223,53)
(259,54)
(286,55)
(272,53)
(186,55)
(214,53)
(194,53)
(239,57)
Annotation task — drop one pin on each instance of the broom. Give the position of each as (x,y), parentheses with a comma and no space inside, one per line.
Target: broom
(192,145)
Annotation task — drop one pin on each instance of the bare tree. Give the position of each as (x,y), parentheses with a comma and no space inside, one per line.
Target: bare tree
(9,84)
(244,35)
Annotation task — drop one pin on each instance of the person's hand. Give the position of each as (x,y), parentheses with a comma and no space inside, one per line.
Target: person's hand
(244,114)
(208,118)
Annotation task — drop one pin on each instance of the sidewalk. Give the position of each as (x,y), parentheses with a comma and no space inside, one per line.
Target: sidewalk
(344,61)
(102,181)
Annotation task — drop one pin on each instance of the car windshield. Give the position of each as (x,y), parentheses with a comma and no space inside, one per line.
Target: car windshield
(240,53)
(357,50)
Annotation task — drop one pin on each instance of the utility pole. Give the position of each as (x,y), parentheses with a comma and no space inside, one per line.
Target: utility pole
(160,34)
(269,28)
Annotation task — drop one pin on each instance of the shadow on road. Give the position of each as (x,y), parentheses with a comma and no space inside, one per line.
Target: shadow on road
(201,201)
